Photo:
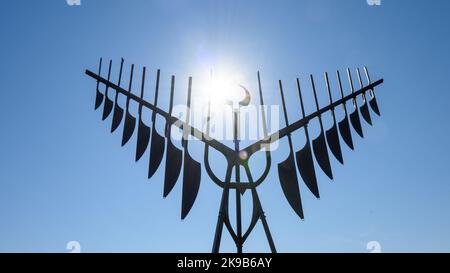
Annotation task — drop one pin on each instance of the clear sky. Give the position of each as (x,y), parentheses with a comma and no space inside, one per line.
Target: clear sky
(64,177)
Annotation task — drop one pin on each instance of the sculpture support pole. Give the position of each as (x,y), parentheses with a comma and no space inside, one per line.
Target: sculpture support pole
(222,212)
(239,242)
(262,216)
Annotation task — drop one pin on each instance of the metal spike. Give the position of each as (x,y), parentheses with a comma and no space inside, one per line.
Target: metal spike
(332,133)
(158,142)
(319,144)
(344,125)
(118,111)
(130,121)
(287,171)
(192,169)
(373,101)
(98,95)
(143,130)
(364,108)
(174,155)
(354,117)
(107,107)
(304,157)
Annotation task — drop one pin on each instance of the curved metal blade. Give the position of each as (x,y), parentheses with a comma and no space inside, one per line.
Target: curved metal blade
(334,144)
(128,128)
(374,105)
(356,122)
(191,183)
(289,184)
(107,108)
(142,139)
(305,166)
(373,102)
(320,151)
(156,152)
(98,99)
(365,113)
(173,167)
(117,117)
(344,129)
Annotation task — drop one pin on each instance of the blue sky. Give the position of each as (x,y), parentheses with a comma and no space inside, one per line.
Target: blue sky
(64,177)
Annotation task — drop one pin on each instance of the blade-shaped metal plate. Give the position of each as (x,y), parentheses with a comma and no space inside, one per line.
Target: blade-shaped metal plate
(334,144)
(305,166)
(174,159)
(289,184)
(321,153)
(344,129)
(191,183)
(117,117)
(365,113)
(156,152)
(142,139)
(128,128)
(374,105)
(98,99)
(356,123)
(107,107)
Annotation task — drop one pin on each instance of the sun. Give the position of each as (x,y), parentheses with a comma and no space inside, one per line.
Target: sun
(221,89)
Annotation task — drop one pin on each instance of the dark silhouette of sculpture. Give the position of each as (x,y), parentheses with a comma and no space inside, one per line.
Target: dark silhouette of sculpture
(177,159)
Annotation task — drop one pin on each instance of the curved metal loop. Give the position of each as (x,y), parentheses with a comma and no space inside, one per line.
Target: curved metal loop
(255,214)
(223,217)
(209,171)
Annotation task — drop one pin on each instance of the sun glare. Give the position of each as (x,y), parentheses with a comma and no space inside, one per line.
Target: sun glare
(222,89)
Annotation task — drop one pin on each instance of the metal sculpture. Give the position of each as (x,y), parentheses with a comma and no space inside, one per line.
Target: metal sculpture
(177,159)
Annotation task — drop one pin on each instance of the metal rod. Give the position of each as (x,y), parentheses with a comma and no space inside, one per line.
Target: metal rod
(172,90)
(238,181)
(120,79)
(358,72)
(99,71)
(338,75)
(372,94)
(188,115)
(285,115)
(222,211)
(109,77)
(261,102)
(262,216)
(158,72)
(317,101)
(330,98)
(142,93)
(129,86)
(303,109)
(349,75)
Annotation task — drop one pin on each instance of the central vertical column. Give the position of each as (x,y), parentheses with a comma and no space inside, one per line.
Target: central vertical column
(239,242)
